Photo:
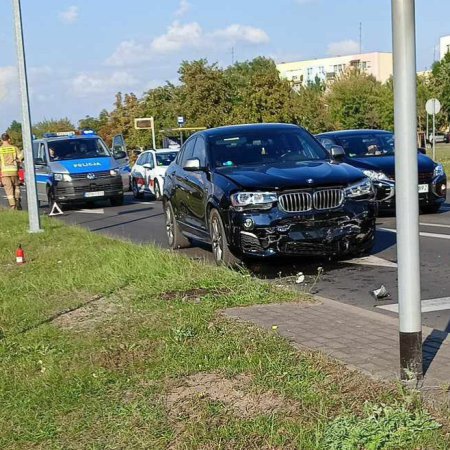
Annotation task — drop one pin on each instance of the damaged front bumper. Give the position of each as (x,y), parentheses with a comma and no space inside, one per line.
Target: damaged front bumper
(344,230)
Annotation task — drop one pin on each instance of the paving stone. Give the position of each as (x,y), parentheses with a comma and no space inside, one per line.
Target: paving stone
(363,339)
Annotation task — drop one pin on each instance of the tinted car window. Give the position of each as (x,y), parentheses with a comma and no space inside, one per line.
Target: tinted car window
(187,152)
(164,159)
(200,151)
(359,145)
(326,142)
(141,159)
(258,147)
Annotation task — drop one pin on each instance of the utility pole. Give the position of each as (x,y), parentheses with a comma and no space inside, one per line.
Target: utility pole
(407,201)
(32,200)
(360,37)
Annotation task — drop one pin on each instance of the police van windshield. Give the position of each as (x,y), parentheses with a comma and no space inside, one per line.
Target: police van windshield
(77,149)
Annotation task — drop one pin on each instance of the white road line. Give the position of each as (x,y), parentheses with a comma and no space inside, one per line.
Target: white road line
(422,233)
(434,225)
(372,260)
(434,304)
(91,211)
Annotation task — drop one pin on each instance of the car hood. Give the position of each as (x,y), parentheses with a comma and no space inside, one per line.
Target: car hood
(75,166)
(291,175)
(386,164)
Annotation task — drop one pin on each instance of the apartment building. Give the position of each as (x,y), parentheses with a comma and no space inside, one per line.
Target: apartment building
(377,64)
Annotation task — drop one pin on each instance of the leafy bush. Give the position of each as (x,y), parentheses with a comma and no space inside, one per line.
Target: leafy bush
(383,427)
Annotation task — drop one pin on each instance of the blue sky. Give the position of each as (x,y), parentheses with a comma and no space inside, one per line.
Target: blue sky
(81,52)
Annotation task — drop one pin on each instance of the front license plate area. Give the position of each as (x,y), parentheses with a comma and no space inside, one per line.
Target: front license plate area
(94,194)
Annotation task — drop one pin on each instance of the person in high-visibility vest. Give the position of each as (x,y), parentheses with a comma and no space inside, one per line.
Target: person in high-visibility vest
(10,159)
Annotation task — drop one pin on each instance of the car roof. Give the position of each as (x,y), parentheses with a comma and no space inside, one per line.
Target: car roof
(246,127)
(352,132)
(66,138)
(161,150)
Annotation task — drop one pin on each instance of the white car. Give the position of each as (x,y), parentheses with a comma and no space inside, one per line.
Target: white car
(147,175)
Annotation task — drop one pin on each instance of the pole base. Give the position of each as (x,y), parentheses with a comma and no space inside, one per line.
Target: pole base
(411,365)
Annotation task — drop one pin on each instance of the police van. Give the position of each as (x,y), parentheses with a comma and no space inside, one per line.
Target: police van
(79,167)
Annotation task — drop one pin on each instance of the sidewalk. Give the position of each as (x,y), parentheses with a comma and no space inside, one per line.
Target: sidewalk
(360,338)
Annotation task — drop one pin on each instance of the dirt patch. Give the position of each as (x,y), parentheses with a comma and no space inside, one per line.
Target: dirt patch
(193,295)
(87,317)
(230,393)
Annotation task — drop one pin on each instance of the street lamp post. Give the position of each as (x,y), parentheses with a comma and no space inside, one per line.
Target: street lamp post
(32,201)
(407,201)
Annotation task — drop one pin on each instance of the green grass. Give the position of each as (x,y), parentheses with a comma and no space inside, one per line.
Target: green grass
(442,156)
(104,379)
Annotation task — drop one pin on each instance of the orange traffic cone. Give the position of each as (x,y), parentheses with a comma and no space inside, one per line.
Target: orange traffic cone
(20,255)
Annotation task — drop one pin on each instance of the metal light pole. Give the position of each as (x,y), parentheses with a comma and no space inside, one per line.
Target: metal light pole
(407,201)
(33,206)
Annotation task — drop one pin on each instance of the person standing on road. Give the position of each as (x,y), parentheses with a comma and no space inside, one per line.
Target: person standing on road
(10,159)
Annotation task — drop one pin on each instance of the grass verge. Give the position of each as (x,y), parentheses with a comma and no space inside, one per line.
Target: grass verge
(111,345)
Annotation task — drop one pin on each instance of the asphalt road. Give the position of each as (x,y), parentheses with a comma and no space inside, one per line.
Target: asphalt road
(347,281)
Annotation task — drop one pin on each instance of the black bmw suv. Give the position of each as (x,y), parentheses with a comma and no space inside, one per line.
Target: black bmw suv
(373,152)
(263,190)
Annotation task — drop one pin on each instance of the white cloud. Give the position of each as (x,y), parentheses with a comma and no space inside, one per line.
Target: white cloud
(86,84)
(8,81)
(183,8)
(242,33)
(178,36)
(187,36)
(70,15)
(347,47)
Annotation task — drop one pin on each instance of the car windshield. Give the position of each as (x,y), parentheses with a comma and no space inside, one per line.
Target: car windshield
(164,159)
(77,149)
(362,145)
(259,147)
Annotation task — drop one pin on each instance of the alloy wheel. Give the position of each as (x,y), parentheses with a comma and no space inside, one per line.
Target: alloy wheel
(170,227)
(217,241)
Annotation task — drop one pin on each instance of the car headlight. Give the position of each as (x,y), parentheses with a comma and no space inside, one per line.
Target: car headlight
(374,175)
(361,189)
(439,170)
(62,177)
(114,172)
(253,200)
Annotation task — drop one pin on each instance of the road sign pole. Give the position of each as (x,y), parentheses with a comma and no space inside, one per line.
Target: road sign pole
(153,134)
(30,179)
(407,201)
(434,137)
(427,136)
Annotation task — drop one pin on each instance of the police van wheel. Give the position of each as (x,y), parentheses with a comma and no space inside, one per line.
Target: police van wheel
(50,198)
(117,201)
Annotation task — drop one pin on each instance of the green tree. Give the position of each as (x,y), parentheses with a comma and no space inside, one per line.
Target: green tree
(15,133)
(52,126)
(353,101)
(441,85)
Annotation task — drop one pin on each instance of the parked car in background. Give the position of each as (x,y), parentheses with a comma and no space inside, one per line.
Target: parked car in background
(264,190)
(147,175)
(372,151)
(441,138)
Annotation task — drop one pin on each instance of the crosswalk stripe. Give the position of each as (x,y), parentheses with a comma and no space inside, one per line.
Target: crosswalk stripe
(434,225)
(434,304)
(422,233)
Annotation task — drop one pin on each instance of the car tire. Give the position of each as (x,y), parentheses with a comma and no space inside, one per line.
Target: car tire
(117,201)
(50,197)
(175,237)
(221,251)
(431,209)
(136,194)
(157,190)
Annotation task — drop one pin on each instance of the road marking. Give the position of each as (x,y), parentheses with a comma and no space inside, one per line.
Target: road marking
(372,260)
(422,233)
(434,225)
(434,304)
(92,211)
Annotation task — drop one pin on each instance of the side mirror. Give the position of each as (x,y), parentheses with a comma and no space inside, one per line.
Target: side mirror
(422,150)
(192,165)
(337,153)
(148,166)
(119,154)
